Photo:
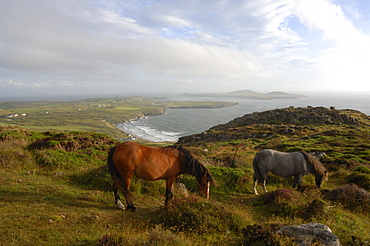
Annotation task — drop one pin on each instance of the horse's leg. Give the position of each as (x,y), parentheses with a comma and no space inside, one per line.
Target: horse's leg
(128,195)
(169,194)
(254,189)
(300,182)
(297,181)
(116,196)
(264,185)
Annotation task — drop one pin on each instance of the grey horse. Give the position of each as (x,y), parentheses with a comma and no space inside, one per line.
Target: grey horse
(283,164)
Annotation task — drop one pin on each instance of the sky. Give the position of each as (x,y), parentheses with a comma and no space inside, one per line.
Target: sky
(91,47)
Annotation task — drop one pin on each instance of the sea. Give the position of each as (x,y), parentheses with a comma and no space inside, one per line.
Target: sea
(176,123)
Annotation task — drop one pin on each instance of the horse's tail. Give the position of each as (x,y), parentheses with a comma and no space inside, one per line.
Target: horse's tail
(116,176)
(257,172)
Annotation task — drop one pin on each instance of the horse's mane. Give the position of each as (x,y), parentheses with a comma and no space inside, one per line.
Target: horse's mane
(317,165)
(192,165)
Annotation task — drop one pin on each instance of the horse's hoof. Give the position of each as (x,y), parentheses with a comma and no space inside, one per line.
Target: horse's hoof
(120,205)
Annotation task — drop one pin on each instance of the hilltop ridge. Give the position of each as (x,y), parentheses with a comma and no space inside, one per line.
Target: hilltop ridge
(280,121)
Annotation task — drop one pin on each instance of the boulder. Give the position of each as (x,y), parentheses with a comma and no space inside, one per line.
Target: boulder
(181,190)
(310,234)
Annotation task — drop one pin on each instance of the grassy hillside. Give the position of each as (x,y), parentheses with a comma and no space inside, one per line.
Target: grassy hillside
(56,190)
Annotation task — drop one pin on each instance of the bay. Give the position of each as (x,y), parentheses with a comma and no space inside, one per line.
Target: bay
(176,123)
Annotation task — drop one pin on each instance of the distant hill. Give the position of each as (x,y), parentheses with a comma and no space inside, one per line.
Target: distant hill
(248,94)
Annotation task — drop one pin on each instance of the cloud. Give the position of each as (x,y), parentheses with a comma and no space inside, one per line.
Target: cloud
(343,64)
(158,45)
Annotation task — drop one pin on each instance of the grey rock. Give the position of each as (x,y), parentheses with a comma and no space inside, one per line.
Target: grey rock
(308,234)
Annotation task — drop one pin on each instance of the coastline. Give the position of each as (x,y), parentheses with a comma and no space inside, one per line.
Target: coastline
(186,122)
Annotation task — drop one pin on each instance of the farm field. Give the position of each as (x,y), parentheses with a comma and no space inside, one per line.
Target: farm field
(95,114)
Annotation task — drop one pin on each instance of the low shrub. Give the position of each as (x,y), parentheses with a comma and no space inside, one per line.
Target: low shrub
(110,240)
(156,236)
(73,141)
(228,180)
(98,178)
(279,181)
(360,179)
(263,234)
(198,215)
(362,169)
(314,209)
(282,202)
(153,188)
(351,197)
(14,157)
(59,159)
(278,196)
(231,179)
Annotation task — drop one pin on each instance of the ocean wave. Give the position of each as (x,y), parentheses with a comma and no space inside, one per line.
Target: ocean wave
(137,129)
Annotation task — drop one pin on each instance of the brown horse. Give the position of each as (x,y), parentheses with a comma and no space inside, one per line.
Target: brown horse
(151,163)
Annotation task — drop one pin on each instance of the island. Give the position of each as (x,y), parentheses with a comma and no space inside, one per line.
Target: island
(248,94)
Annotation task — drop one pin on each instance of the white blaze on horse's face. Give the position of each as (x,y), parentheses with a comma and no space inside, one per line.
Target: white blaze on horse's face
(207,190)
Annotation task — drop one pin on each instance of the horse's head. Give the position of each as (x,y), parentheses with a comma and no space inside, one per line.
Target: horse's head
(204,182)
(318,169)
(320,178)
(202,175)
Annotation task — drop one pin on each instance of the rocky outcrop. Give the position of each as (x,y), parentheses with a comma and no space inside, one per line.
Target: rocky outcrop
(310,234)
